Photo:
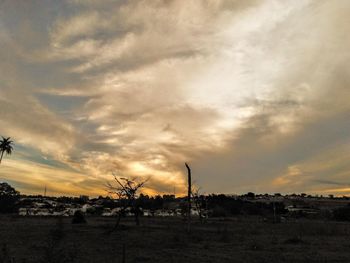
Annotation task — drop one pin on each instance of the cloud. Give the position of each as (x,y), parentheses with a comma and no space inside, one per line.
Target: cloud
(28,122)
(31,178)
(82,25)
(248,92)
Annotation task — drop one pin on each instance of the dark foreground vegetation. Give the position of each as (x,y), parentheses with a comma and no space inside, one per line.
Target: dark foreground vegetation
(213,228)
(247,228)
(234,239)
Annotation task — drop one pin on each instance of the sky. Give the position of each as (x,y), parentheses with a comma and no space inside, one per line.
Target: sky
(253,94)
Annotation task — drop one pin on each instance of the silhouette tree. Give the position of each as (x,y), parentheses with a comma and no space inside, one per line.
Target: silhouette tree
(5,147)
(126,191)
(8,198)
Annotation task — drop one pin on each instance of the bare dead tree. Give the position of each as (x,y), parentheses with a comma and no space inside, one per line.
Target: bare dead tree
(126,191)
(189,193)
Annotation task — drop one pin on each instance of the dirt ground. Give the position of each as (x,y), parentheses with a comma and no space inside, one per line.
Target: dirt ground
(243,239)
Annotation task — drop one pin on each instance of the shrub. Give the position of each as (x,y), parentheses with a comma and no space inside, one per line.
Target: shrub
(8,198)
(78,218)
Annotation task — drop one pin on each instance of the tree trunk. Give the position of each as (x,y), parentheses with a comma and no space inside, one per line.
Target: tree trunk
(116,223)
(189,191)
(120,214)
(2,155)
(137,213)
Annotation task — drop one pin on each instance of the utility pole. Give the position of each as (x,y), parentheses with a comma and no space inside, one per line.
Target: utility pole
(189,192)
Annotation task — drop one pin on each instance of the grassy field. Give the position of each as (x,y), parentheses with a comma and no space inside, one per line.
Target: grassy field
(240,239)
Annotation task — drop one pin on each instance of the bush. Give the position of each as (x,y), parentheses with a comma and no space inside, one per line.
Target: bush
(8,198)
(78,218)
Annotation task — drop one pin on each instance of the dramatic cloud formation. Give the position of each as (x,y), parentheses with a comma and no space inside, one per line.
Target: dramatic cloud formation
(254,94)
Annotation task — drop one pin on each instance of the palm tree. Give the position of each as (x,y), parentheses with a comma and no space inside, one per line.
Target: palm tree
(5,147)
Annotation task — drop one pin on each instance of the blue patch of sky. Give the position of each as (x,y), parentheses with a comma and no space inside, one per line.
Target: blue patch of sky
(22,152)
(61,104)
(40,14)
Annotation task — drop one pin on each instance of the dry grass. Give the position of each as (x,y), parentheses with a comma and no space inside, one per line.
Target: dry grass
(165,240)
